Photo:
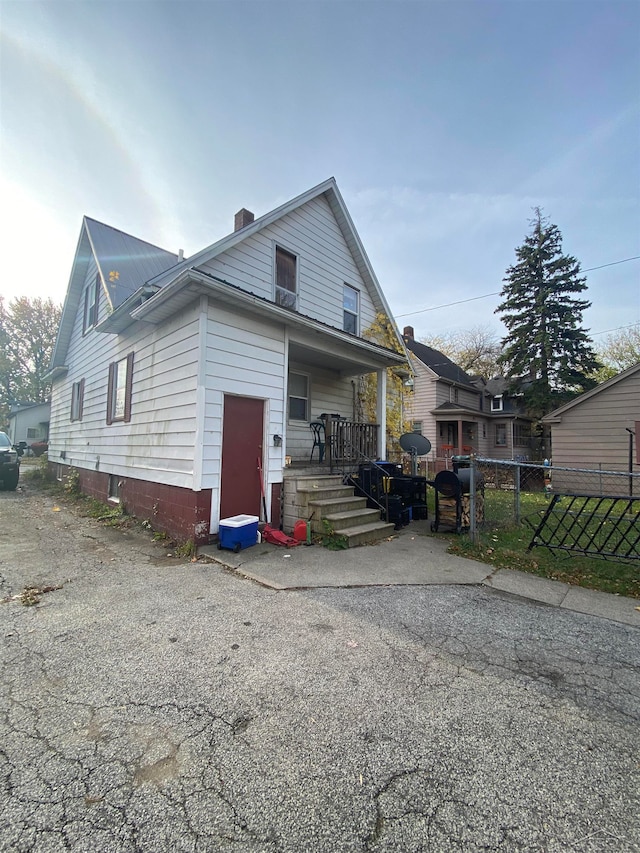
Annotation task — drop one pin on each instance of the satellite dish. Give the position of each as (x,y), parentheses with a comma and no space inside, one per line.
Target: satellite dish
(416,445)
(412,442)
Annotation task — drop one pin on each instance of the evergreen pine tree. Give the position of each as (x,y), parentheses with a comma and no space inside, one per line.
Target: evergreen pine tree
(546,352)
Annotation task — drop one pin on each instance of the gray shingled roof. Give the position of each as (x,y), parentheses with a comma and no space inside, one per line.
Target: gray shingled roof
(125,262)
(438,362)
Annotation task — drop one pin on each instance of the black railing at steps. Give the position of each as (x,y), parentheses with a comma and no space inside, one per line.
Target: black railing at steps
(363,459)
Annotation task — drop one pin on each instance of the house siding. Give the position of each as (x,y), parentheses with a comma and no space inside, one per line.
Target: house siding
(157,443)
(422,402)
(593,433)
(35,418)
(248,361)
(325,264)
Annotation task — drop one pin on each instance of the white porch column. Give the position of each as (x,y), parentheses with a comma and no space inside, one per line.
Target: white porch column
(381,413)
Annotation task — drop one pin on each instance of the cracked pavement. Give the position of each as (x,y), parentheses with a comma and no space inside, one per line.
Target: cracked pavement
(153,704)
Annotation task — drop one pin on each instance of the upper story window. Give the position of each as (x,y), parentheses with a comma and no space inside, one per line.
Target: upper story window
(496,403)
(416,426)
(453,395)
(90,316)
(351,309)
(119,389)
(286,279)
(298,397)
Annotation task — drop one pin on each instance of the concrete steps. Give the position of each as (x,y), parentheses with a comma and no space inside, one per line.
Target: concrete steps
(352,518)
(326,497)
(325,508)
(362,534)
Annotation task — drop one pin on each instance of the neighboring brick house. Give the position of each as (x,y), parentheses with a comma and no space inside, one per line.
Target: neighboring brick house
(461,414)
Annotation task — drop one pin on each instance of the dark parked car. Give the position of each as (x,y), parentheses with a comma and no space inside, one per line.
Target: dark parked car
(9,463)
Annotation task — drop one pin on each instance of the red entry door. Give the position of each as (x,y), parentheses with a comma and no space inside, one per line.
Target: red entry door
(242,433)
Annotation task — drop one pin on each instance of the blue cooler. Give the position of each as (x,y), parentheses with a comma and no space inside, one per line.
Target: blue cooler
(237,532)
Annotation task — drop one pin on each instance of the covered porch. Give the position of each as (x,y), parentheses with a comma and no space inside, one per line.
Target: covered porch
(459,432)
(336,401)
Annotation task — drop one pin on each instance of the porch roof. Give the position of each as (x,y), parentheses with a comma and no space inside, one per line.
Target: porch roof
(310,341)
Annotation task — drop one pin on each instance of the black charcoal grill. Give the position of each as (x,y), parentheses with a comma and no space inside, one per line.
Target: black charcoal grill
(452,492)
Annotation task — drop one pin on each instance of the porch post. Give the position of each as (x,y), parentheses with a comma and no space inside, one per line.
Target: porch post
(460,438)
(381,412)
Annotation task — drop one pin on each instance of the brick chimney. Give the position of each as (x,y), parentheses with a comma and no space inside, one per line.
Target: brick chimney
(407,334)
(243,217)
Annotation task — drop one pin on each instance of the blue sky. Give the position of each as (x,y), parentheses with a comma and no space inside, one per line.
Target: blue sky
(444,124)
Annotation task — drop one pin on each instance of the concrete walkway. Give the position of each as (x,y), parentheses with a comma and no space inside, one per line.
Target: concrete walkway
(412,556)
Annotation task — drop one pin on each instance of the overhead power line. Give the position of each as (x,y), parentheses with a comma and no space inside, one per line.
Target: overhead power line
(497,292)
(617,329)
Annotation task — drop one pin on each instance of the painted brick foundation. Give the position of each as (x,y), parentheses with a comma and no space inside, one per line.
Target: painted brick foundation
(181,513)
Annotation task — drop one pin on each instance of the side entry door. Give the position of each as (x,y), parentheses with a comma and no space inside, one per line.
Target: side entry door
(242,434)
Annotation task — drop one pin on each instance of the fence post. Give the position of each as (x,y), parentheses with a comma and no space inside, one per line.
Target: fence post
(473,528)
(516,491)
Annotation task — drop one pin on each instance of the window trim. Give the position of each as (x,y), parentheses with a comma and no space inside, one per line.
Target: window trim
(307,379)
(278,247)
(90,309)
(501,443)
(112,390)
(77,400)
(113,489)
(356,314)
(497,404)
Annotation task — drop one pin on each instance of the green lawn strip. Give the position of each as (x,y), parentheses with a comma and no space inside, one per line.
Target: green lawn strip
(504,544)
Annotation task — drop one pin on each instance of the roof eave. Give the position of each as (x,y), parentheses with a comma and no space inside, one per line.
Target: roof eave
(154,310)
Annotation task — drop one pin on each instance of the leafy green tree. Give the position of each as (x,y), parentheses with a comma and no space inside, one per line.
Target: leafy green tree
(545,352)
(28,329)
(618,352)
(381,331)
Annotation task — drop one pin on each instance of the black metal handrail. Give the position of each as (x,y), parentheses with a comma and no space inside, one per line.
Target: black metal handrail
(362,458)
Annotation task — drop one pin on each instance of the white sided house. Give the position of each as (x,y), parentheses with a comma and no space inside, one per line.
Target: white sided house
(186,388)
(29,423)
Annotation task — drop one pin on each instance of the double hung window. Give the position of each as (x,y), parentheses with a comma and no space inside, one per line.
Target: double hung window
(501,435)
(90,316)
(119,389)
(350,306)
(298,397)
(286,279)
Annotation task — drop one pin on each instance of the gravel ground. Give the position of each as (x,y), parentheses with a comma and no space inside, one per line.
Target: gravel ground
(156,704)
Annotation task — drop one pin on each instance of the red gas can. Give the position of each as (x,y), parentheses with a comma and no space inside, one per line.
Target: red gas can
(302,531)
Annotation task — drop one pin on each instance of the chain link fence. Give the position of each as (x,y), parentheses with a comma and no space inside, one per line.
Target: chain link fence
(504,492)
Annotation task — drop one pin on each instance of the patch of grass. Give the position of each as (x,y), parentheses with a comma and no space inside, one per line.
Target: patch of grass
(332,540)
(185,549)
(504,544)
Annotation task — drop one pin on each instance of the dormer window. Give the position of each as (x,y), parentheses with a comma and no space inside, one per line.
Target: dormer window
(90,316)
(496,403)
(350,306)
(286,279)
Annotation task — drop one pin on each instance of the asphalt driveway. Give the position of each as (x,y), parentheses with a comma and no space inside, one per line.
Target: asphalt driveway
(156,704)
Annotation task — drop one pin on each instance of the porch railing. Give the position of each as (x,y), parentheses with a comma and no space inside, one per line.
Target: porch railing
(348,443)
